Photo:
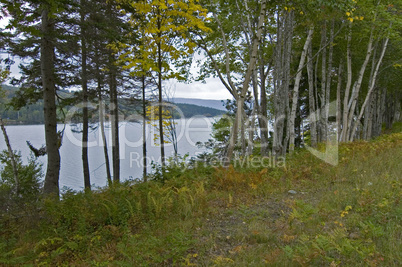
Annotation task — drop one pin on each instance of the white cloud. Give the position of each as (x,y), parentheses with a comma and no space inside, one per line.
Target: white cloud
(212,89)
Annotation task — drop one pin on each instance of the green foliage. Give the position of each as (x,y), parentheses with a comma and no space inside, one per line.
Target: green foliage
(30,185)
(220,138)
(165,29)
(221,129)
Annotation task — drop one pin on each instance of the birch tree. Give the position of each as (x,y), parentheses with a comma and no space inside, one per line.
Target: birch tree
(295,95)
(234,71)
(283,51)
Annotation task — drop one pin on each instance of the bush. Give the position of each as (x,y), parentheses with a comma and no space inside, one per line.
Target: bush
(30,184)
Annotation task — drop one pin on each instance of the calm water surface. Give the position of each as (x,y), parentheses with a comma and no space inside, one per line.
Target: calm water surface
(189,131)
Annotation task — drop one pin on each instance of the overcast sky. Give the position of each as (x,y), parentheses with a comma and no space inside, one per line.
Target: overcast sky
(212,89)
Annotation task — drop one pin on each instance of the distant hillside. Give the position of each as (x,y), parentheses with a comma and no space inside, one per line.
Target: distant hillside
(216,104)
(190,110)
(33,114)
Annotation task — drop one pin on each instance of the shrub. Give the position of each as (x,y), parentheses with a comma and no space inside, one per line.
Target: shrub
(30,185)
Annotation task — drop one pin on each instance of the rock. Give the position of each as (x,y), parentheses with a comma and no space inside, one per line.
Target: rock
(354,236)
(293,192)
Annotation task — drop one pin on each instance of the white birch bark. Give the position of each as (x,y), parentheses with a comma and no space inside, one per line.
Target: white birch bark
(296,90)
(372,86)
(246,82)
(357,86)
(343,136)
(283,60)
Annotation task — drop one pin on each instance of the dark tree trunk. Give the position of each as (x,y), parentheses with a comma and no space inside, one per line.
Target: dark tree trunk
(283,60)
(144,145)
(160,100)
(311,98)
(102,114)
(51,186)
(262,115)
(102,129)
(114,113)
(84,83)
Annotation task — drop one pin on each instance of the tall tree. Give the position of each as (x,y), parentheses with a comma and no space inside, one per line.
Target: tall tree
(51,185)
(283,52)
(222,49)
(42,37)
(84,83)
(166,26)
(295,96)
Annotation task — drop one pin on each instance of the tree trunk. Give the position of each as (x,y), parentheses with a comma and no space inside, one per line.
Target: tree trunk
(323,121)
(250,133)
(367,120)
(160,100)
(101,120)
(288,61)
(144,134)
(296,90)
(281,101)
(114,113)
(312,112)
(356,89)
(103,136)
(51,186)
(368,109)
(372,86)
(338,100)
(262,113)
(379,104)
(243,134)
(329,80)
(347,90)
(234,132)
(317,106)
(246,82)
(381,109)
(84,83)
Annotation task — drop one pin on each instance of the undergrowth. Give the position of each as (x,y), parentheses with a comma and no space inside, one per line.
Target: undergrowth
(344,215)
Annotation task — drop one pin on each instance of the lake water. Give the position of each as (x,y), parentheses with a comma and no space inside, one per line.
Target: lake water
(189,131)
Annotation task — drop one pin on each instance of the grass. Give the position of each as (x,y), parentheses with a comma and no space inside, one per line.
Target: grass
(345,215)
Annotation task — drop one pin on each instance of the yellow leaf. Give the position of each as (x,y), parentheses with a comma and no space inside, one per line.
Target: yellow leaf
(348,14)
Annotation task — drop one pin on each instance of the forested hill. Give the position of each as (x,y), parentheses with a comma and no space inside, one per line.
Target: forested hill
(33,114)
(190,110)
(216,104)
